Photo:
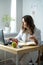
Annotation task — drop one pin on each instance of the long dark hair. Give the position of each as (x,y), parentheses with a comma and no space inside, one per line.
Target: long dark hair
(30,23)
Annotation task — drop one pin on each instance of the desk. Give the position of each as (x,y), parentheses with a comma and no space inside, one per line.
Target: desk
(18,51)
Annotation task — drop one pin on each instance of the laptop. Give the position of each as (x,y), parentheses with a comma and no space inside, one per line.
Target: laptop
(2,40)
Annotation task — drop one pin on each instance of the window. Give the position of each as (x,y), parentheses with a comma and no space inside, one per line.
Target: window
(13,15)
(8,7)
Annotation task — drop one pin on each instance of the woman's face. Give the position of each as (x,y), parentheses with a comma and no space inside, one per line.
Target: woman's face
(24,23)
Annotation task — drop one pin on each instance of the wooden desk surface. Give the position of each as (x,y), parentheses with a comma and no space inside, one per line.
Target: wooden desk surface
(20,50)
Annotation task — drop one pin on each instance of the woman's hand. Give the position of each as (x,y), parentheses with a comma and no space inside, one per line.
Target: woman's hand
(15,40)
(34,39)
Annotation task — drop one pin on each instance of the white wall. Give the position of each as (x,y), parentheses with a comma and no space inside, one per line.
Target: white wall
(34,8)
(5,8)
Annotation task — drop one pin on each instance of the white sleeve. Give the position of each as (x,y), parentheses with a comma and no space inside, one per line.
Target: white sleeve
(19,35)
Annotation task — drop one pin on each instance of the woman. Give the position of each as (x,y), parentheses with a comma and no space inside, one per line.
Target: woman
(29,33)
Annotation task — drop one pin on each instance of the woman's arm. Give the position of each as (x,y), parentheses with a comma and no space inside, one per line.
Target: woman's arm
(18,37)
(34,39)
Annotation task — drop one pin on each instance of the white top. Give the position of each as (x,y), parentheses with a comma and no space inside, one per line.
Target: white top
(25,37)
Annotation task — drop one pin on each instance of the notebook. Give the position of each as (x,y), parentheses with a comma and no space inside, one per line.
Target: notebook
(27,43)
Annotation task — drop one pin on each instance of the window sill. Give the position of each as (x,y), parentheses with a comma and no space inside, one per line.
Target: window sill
(6,35)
